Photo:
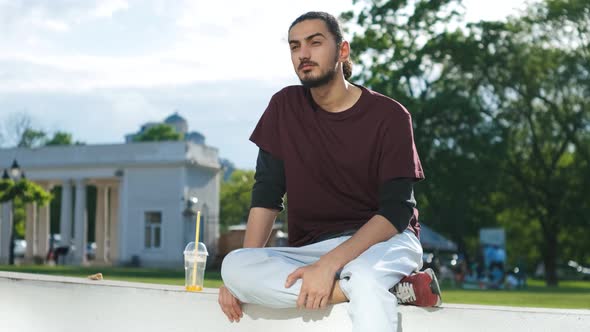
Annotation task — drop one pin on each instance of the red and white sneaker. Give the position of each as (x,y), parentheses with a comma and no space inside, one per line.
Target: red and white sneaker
(419,289)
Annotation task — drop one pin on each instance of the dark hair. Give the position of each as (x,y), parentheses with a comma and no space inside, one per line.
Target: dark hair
(334,28)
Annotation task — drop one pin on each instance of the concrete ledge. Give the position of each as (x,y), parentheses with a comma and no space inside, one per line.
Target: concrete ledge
(31,302)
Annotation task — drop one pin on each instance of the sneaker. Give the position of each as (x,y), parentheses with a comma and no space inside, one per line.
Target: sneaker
(419,289)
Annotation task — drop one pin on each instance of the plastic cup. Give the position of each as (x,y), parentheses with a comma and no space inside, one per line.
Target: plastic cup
(194,266)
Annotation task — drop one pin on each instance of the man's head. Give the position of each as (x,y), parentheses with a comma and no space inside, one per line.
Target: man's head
(318,50)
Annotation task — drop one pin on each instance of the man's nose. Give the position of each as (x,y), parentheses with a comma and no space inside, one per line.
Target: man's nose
(304,53)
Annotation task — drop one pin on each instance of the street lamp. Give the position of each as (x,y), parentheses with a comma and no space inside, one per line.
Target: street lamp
(15,170)
(15,173)
(191,205)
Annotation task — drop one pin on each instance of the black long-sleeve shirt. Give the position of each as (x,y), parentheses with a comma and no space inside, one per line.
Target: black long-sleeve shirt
(396,196)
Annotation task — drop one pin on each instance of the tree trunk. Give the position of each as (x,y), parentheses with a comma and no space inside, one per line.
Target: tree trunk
(550,256)
(11,250)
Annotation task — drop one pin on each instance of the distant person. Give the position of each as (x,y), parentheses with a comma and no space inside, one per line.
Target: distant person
(346,157)
(489,256)
(500,257)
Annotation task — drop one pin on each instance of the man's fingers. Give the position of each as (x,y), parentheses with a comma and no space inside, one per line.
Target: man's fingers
(237,308)
(294,276)
(230,306)
(301,299)
(228,309)
(317,302)
(324,302)
(310,302)
(233,315)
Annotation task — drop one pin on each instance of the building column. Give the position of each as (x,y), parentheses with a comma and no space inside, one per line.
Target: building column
(65,222)
(80,224)
(30,231)
(5,230)
(43,228)
(101,224)
(113,232)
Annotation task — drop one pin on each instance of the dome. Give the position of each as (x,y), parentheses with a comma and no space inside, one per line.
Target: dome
(174,118)
(178,122)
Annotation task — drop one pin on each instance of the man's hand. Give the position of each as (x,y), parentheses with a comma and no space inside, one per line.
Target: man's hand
(318,283)
(230,306)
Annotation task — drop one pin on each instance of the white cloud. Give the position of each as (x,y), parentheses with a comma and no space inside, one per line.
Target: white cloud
(57,13)
(106,8)
(200,41)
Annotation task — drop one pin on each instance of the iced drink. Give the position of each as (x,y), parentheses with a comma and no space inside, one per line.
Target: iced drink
(194,266)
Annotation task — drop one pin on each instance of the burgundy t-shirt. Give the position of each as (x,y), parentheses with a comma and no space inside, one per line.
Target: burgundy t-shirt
(336,162)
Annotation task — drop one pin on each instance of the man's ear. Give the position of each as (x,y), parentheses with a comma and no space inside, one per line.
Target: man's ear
(344,52)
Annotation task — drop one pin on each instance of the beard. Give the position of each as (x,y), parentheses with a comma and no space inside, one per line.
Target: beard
(321,80)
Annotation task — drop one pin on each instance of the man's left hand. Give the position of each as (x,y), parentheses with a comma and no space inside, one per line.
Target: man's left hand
(318,283)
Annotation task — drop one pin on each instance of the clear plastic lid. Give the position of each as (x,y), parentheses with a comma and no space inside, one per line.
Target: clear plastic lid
(190,248)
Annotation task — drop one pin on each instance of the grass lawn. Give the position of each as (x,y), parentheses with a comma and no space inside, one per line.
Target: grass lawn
(154,276)
(569,294)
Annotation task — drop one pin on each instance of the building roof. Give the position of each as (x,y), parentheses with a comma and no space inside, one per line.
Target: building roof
(175,118)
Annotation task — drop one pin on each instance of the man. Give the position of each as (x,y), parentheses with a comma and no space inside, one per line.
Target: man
(345,155)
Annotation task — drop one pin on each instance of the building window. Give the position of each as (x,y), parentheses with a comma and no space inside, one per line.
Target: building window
(153,229)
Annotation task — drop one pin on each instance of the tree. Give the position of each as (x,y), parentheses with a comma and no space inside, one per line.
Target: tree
(535,77)
(21,192)
(159,132)
(62,138)
(398,57)
(31,138)
(235,198)
(501,114)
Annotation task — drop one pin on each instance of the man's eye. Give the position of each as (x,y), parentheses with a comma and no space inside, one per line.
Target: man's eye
(294,47)
(315,42)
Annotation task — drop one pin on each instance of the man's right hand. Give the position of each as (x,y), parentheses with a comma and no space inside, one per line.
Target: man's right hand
(230,306)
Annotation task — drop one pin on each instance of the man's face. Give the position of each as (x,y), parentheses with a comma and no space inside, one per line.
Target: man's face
(313,52)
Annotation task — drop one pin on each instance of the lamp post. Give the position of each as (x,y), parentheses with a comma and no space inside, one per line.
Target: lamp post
(15,174)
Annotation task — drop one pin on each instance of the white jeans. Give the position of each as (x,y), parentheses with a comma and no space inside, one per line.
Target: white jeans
(258,275)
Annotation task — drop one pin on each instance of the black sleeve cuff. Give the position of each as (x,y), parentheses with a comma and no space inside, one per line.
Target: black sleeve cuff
(269,186)
(396,202)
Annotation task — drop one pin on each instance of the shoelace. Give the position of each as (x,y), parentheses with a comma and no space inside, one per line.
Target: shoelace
(405,292)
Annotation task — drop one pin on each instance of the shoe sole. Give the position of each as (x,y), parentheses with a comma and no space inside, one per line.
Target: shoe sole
(434,286)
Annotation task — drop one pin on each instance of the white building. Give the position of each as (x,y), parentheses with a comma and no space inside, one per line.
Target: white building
(143,209)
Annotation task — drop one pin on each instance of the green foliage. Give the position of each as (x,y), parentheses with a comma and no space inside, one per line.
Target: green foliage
(159,132)
(31,138)
(60,138)
(19,218)
(501,118)
(21,193)
(235,198)
(403,54)
(24,190)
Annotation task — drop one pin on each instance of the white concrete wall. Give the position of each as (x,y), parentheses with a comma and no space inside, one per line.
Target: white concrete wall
(45,303)
(154,189)
(205,184)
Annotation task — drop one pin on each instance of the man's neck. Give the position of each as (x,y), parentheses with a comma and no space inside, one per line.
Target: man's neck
(336,96)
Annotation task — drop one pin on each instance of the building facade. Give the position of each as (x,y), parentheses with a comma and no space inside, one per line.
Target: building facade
(145,205)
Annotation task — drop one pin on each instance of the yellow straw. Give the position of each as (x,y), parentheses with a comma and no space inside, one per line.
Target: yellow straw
(194,283)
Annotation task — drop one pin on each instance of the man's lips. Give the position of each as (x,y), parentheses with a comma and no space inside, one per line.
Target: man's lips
(305,66)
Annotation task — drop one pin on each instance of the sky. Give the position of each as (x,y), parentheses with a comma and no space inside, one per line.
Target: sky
(99,69)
